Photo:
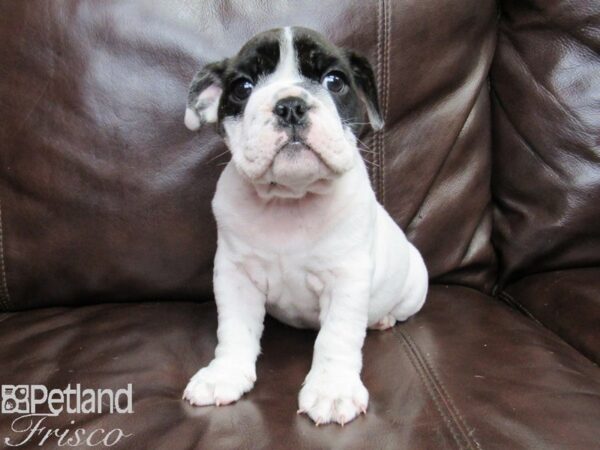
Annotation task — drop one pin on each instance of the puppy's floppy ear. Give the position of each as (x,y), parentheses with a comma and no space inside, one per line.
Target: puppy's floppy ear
(364,78)
(204,95)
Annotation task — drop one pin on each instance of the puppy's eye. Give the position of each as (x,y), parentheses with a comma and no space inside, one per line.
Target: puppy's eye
(241,89)
(334,82)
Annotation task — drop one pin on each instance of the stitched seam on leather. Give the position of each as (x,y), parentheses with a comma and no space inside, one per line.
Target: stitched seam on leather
(371,157)
(386,92)
(381,74)
(376,156)
(5,297)
(429,385)
(458,417)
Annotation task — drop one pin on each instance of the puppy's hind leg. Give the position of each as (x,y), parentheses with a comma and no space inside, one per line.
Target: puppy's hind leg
(414,291)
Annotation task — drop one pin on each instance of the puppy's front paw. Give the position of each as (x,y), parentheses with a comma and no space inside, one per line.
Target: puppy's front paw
(333,396)
(219,384)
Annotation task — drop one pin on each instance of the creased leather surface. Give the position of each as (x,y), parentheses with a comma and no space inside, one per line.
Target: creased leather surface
(437,165)
(546,177)
(467,372)
(565,301)
(104,193)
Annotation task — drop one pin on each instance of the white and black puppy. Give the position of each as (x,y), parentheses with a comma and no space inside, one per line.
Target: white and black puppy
(300,232)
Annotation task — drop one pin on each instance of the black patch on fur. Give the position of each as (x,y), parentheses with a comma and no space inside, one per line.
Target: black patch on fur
(257,59)
(210,74)
(317,57)
(364,78)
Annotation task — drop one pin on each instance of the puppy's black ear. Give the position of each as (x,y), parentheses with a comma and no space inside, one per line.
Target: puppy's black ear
(204,95)
(364,78)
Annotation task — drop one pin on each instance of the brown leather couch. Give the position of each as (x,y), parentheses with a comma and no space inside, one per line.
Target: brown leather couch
(490,161)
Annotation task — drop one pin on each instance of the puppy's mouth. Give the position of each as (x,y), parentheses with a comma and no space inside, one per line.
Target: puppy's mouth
(296,165)
(295,145)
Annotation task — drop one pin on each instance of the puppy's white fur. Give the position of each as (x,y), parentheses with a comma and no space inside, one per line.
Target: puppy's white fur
(302,237)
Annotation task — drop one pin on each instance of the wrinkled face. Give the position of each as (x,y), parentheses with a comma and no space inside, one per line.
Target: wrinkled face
(289,105)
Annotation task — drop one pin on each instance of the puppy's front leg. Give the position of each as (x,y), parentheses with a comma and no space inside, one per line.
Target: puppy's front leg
(241,311)
(332,390)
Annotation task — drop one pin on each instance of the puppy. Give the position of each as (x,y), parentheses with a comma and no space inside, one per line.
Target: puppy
(300,232)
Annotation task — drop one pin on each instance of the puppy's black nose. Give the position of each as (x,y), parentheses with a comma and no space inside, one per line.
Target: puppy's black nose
(291,111)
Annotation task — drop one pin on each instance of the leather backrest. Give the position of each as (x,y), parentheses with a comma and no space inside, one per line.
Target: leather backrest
(546,113)
(105,195)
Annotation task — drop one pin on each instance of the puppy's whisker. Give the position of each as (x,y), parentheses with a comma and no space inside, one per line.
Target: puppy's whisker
(371,163)
(365,145)
(356,123)
(218,156)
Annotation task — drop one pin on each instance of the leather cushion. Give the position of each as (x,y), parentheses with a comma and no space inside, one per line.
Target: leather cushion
(567,302)
(467,372)
(546,179)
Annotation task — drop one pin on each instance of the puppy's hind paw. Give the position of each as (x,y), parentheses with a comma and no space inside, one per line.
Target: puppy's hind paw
(386,322)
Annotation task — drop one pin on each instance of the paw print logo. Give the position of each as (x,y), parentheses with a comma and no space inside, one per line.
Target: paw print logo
(15,399)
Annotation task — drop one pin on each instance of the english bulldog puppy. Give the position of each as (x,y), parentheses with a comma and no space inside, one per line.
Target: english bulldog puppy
(300,232)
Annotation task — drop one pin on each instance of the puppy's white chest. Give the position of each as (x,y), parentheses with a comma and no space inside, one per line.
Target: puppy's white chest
(294,293)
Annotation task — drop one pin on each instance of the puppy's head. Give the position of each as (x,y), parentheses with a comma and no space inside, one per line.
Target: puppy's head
(289,105)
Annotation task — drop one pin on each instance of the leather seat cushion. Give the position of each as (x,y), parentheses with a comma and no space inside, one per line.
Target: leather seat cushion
(566,302)
(467,372)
